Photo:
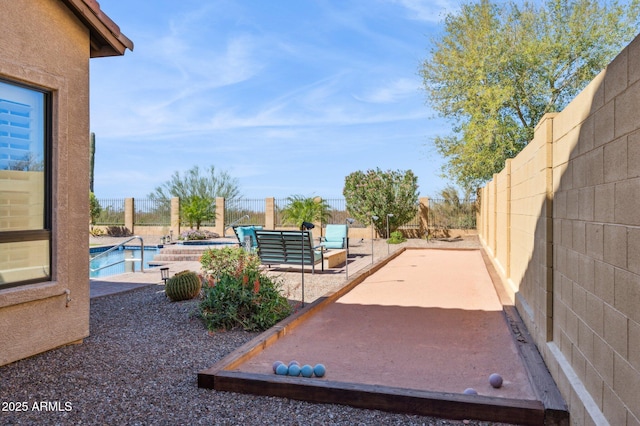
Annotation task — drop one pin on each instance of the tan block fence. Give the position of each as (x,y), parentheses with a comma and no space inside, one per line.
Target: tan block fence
(561,223)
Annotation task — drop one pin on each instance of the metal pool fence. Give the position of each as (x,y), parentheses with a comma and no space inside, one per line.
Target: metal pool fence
(112,212)
(245,211)
(152,212)
(442,213)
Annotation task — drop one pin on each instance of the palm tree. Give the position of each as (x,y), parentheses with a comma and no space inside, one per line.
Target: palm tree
(305,209)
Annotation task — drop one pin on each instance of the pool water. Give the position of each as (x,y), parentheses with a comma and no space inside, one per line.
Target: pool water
(118,256)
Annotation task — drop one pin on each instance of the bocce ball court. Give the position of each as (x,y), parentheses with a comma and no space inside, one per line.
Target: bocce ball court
(409,334)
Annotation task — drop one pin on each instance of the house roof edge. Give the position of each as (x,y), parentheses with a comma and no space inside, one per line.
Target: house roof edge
(106,37)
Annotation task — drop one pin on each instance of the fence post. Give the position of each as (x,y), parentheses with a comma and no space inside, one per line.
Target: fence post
(318,224)
(220,219)
(270,213)
(129,210)
(175,217)
(424,216)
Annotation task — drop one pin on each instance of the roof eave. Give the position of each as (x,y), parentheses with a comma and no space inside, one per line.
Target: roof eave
(106,38)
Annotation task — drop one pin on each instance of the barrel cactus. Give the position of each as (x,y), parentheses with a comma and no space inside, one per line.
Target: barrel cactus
(184,285)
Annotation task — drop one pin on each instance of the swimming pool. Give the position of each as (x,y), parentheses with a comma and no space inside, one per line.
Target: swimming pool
(98,267)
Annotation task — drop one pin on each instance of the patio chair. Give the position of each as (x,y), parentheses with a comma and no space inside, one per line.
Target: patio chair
(242,232)
(335,237)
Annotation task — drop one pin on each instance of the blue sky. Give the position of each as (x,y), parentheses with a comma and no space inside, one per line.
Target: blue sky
(288,96)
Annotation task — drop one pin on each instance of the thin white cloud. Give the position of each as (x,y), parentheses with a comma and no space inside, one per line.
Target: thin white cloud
(397,90)
(219,85)
(427,10)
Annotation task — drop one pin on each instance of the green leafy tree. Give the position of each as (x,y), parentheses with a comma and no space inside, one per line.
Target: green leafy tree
(197,192)
(305,209)
(94,208)
(198,209)
(379,193)
(498,67)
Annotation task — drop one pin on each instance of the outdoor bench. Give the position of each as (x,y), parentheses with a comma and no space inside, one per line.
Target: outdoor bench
(287,248)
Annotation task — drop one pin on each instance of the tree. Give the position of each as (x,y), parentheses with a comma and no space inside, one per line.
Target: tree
(94,208)
(197,193)
(499,67)
(198,209)
(28,163)
(378,193)
(453,212)
(305,209)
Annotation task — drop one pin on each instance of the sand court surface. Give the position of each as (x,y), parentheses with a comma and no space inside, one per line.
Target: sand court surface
(420,329)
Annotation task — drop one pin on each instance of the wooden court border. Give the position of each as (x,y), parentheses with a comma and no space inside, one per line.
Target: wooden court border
(544,410)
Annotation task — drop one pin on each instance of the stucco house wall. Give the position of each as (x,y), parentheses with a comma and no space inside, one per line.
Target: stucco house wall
(48,44)
(572,265)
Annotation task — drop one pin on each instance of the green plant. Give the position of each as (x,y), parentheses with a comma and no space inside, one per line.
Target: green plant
(379,193)
(197,234)
(197,209)
(496,67)
(195,188)
(251,301)
(184,285)
(96,232)
(118,231)
(232,261)
(94,208)
(396,238)
(305,209)
(453,212)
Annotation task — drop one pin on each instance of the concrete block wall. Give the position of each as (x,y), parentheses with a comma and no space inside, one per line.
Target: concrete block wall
(573,240)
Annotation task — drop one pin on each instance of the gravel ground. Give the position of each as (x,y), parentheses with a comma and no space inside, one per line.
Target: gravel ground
(140,365)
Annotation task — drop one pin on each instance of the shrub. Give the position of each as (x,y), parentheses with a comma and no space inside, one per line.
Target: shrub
(396,238)
(251,301)
(96,232)
(233,261)
(118,231)
(236,294)
(198,234)
(378,193)
(94,208)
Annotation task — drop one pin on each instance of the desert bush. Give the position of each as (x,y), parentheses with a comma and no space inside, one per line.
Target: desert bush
(251,301)
(236,294)
(96,232)
(198,234)
(396,238)
(233,261)
(378,193)
(118,231)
